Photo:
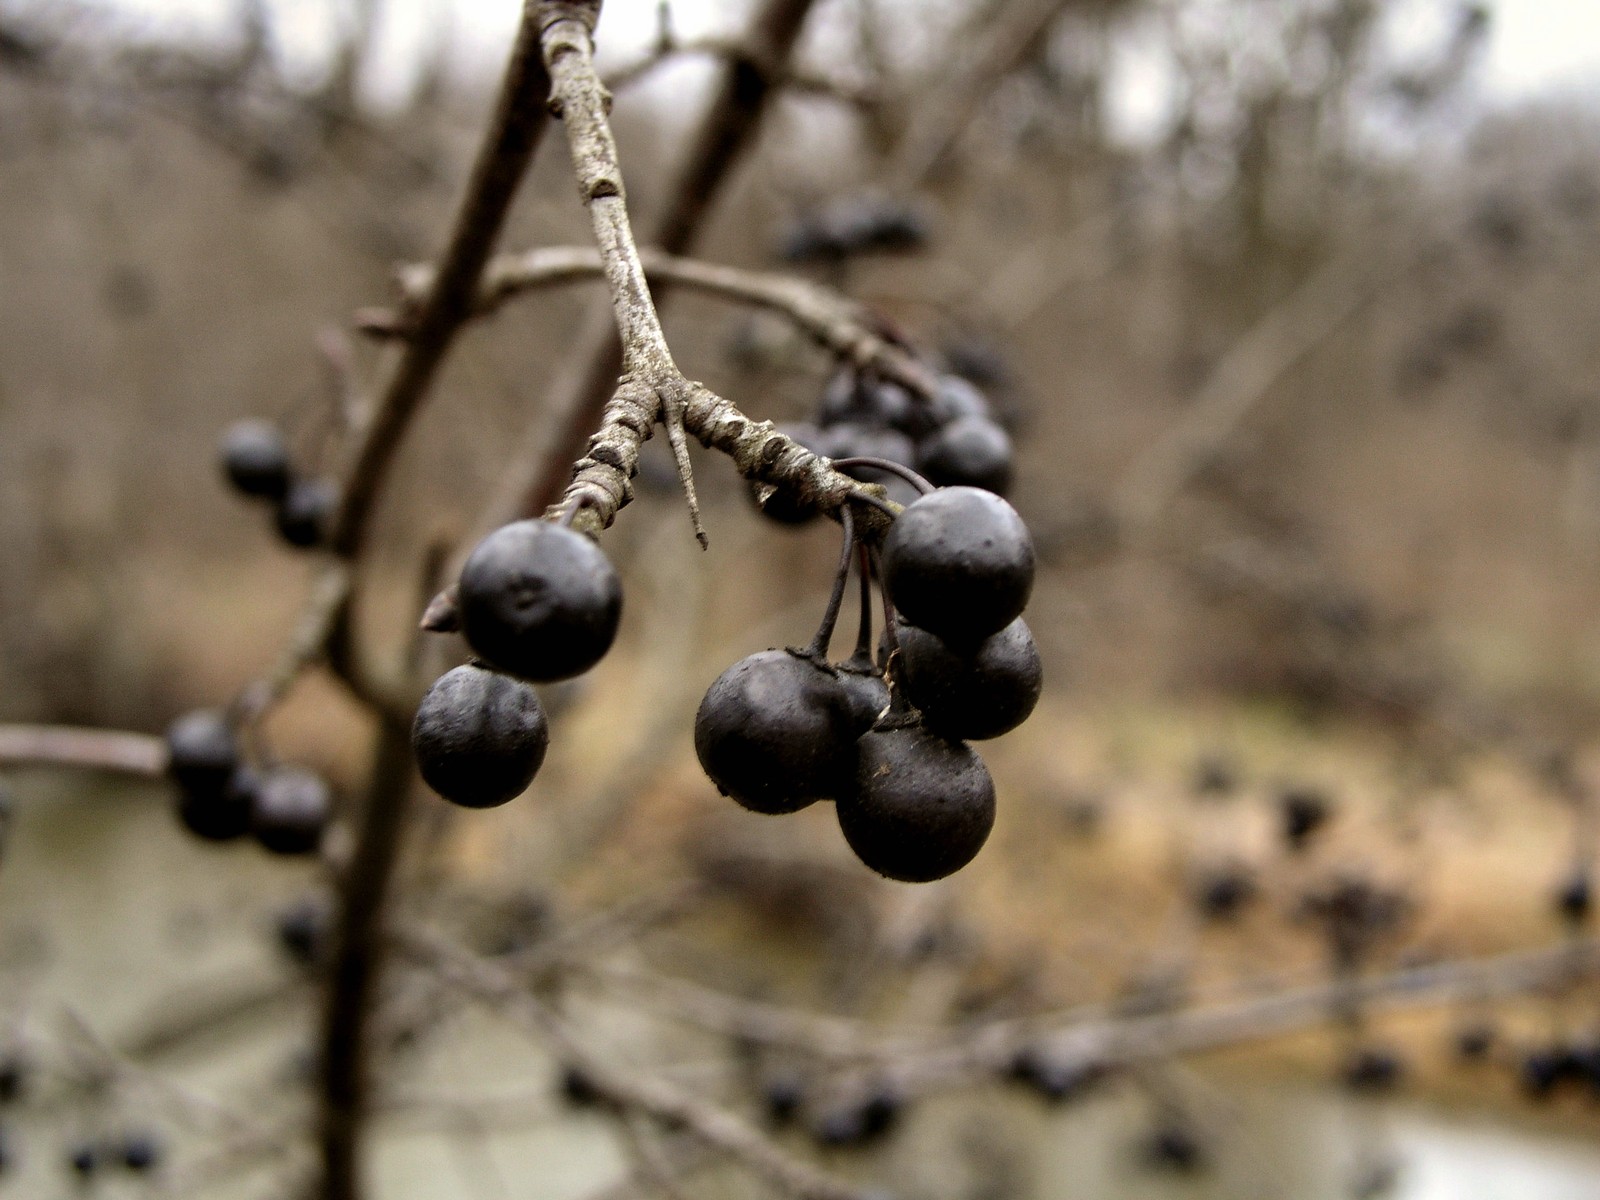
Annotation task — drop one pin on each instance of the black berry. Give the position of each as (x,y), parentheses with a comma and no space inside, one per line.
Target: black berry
(969,451)
(255,459)
(959,563)
(221,818)
(1372,1070)
(1223,894)
(304,511)
(1175,1148)
(972,692)
(539,600)
(1303,811)
(1053,1079)
(302,930)
(922,805)
(781,1096)
(956,398)
(1473,1042)
(140,1151)
(479,736)
(291,810)
(202,759)
(13,1076)
(866,693)
(1575,897)
(776,732)
(84,1159)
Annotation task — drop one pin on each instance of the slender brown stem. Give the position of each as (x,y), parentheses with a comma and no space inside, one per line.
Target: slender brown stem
(830,615)
(93,749)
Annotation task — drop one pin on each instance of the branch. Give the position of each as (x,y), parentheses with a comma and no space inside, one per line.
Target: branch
(789,77)
(662,1101)
(834,321)
(93,749)
(1244,377)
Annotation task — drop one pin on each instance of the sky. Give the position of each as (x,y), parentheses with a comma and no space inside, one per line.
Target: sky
(1538,48)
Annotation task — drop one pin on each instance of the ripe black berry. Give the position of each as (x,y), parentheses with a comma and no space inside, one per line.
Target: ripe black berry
(140,1150)
(13,1076)
(291,810)
(972,692)
(302,930)
(201,751)
(864,441)
(1175,1148)
(776,732)
(1055,1080)
(221,818)
(922,805)
(539,600)
(1574,898)
(84,1159)
(865,690)
(1304,811)
(971,452)
(782,1096)
(1222,895)
(1372,1070)
(479,736)
(851,400)
(956,398)
(959,563)
(1473,1042)
(304,511)
(255,459)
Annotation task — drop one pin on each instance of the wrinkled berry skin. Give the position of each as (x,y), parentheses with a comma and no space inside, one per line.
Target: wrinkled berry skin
(922,805)
(291,811)
(479,737)
(255,458)
(972,692)
(969,452)
(776,732)
(539,601)
(959,563)
(304,512)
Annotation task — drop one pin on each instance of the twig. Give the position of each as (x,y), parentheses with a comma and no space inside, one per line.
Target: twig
(660,1100)
(94,749)
(1243,378)
(835,321)
(789,77)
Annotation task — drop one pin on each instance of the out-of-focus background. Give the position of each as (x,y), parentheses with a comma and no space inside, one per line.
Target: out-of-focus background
(1292,309)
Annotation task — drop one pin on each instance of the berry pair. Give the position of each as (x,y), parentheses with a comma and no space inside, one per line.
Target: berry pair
(221,797)
(255,458)
(535,601)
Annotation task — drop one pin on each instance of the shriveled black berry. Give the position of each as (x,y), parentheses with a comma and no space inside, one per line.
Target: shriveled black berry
(971,452)
(922,805)
(972,691)
(140,1150)
(224,817)
(539,600)
(1575,897)
(959,563)
(1372,1070)
(302,930)
(255,459)
(479,736)
(305,510)
(1303,812)
(291,810)
(776,732)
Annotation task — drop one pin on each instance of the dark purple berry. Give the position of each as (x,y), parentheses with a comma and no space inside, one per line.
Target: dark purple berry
(1372,1070)
(1223,894)
(868,403)
(959,563)
(84,1159)
(972,691)
(13,1076)
(781,1097)
(969,452)
(776,732)
(922,805)
(291,810)
(203,759)
(867,695)
(956,398)
(1574,898)
(479,736)
(539,600)
(255,459)
(305,510)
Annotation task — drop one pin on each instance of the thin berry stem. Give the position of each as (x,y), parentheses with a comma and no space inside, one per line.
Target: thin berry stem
(884,464)
(863,651)
(830,616)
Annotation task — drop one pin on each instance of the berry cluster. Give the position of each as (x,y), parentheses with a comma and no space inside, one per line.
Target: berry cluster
(855,225)
(951,439)
(222,797)
(536,601)
(255,458)
(886,738)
